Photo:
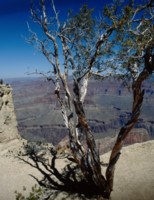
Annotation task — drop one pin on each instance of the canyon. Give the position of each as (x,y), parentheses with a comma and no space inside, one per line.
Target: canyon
(107,107)
(134,168)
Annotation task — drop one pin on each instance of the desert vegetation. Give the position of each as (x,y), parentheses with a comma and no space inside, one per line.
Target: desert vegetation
(119,44)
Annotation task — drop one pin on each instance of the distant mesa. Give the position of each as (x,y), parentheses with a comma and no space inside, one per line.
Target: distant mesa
(39,117)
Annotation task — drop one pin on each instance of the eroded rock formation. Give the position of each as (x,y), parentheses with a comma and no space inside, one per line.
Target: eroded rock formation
(8,122)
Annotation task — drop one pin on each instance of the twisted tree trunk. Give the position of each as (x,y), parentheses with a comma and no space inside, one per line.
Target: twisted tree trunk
(138,96)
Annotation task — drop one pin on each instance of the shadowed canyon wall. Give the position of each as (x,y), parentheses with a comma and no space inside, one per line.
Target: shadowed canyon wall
(107,106)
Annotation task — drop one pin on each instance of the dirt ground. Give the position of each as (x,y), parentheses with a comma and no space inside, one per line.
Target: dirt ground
(134,174)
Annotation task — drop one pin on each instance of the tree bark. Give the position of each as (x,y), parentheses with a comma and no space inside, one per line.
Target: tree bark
(138,96)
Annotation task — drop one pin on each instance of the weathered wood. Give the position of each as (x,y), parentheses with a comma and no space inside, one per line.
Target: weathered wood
(138,95)
(82,144)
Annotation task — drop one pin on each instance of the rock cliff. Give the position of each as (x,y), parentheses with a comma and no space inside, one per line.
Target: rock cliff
(8,122)
(107,106)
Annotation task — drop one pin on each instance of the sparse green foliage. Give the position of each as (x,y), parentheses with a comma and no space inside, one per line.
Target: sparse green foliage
(120,44)
(35,194)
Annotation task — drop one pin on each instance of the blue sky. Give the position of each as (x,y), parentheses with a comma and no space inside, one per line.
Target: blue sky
(16,56)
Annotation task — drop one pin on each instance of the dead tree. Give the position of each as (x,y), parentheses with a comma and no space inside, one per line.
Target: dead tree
(89,49)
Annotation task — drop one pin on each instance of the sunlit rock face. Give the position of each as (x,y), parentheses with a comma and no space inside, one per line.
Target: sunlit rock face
(137,135)
(8,122)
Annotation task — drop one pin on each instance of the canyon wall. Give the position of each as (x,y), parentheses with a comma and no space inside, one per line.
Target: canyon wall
(107,106)
(8,122)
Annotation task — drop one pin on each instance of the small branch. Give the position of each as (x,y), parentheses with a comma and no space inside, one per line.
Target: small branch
(42,74)
(56,14)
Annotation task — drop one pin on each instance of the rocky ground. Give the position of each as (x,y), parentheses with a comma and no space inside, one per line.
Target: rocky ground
(134,175)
